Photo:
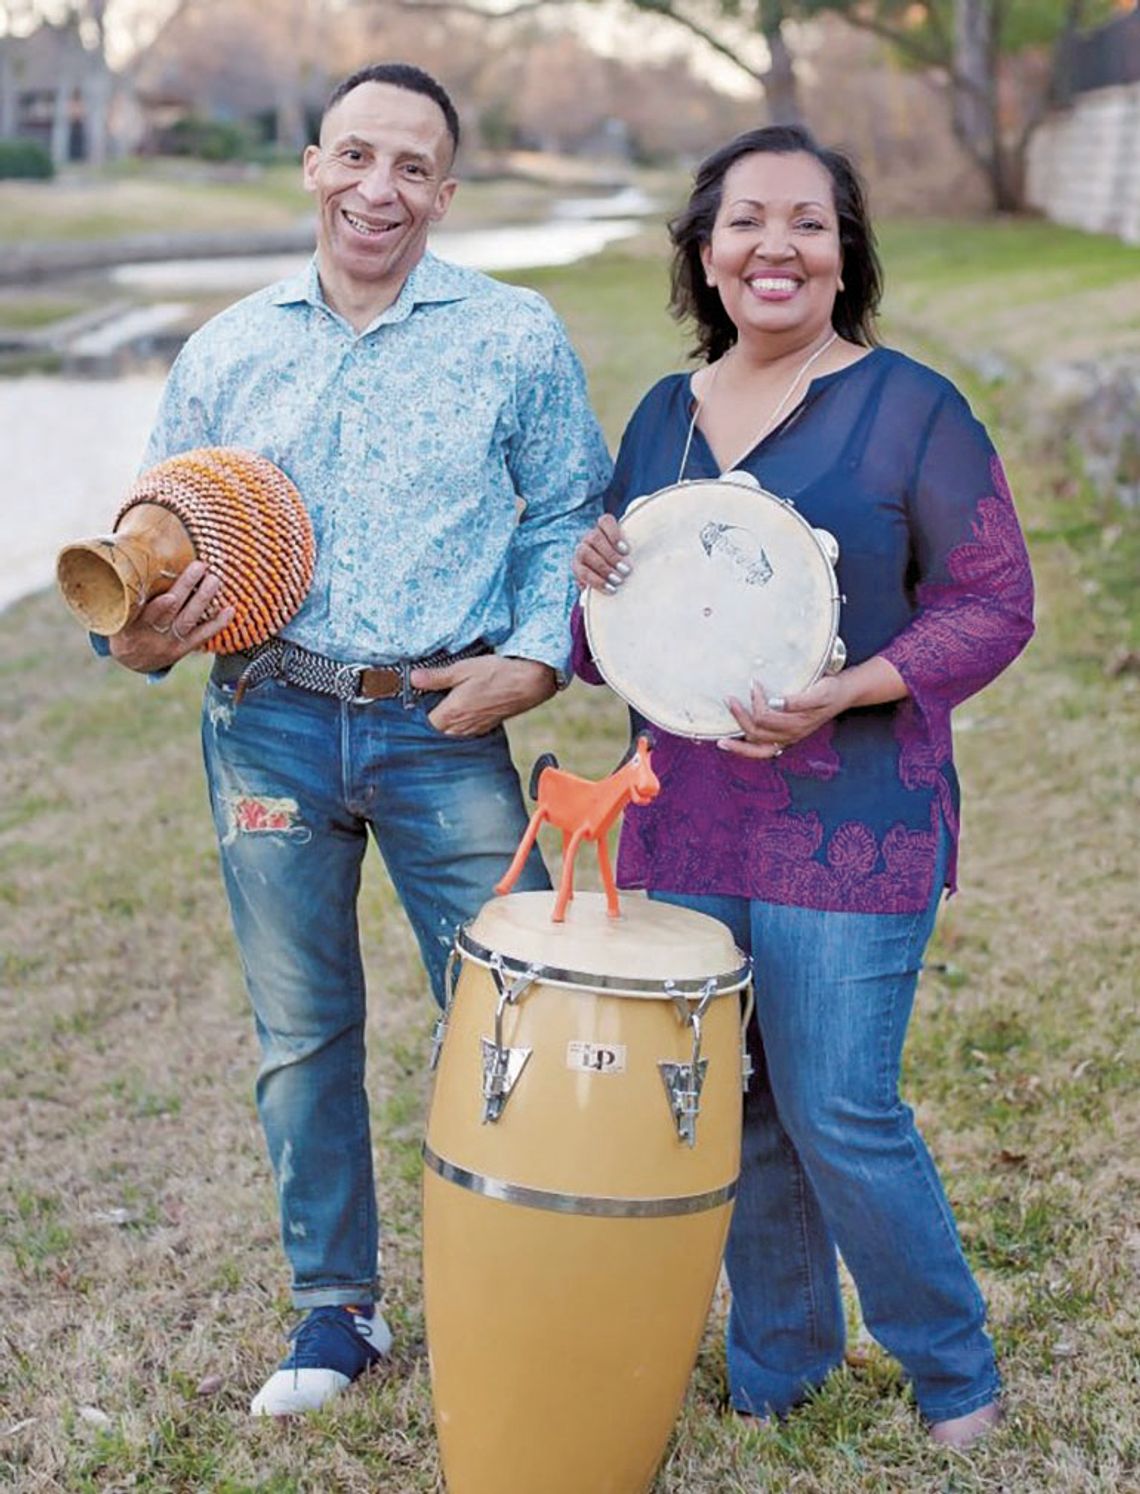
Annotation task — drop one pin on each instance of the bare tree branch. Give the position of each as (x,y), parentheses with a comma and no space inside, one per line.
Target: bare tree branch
(464,7)
(666,9)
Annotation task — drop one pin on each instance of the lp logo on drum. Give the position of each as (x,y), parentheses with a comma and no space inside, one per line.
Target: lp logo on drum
(596,1058)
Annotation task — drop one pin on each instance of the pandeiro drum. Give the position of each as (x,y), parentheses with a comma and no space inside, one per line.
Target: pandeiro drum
(582,1153)
(729,585)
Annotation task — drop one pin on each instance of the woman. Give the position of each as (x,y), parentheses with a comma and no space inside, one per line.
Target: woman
(824,834)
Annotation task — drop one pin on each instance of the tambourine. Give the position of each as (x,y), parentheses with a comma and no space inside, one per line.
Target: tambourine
(729,586)
(234,511)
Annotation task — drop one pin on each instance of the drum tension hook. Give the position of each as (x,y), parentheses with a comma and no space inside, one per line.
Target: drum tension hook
(503,1065)
(439,1031)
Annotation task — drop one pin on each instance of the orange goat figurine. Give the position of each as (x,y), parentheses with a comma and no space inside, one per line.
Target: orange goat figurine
(583,809)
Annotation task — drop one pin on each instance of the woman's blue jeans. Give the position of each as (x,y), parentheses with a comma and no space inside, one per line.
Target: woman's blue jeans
(297,780)
(832,1159)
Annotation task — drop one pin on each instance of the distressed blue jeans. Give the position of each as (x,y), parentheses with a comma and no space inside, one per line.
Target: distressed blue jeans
(832,1159)
(297,781)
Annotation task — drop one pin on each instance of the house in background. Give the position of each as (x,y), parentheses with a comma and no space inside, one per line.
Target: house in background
(59,91)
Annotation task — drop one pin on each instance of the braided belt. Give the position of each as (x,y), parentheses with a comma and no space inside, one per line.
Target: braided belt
(278,659)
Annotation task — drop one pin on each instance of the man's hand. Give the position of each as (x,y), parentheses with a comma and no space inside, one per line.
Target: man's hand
(483,692)
(174,624)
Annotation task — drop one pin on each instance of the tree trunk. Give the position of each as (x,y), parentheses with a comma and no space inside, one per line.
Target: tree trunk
(781,95)
(7,91)
(61,120)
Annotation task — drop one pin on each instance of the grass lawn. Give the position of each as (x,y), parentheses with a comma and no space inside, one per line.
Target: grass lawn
(144,1292)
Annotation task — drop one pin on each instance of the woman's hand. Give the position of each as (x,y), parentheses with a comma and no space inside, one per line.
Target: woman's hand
(600,559)
(770,724)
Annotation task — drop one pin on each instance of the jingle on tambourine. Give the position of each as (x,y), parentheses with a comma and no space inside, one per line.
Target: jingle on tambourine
(233,510)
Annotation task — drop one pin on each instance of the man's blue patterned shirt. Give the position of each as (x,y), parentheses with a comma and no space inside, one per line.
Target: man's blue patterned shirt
(447,454)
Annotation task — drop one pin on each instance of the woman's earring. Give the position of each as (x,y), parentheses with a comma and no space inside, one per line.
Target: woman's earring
(841,286)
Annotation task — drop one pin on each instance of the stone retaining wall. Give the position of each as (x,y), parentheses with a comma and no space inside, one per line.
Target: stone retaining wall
(1084,163)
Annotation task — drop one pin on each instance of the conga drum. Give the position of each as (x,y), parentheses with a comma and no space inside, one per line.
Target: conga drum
(730,585)
(582,1155)
(230,508)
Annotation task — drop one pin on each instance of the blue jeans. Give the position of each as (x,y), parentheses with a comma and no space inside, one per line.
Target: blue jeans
(297,780)
(832,1159)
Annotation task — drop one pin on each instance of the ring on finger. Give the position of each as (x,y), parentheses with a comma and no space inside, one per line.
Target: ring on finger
(182,637)
(777,702)
(155,628)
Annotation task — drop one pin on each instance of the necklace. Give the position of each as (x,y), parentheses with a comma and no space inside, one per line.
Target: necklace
(773,417)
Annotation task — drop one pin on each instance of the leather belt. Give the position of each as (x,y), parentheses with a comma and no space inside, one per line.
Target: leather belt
(357,683)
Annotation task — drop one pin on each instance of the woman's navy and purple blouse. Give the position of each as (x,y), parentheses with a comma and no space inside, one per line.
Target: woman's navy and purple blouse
(887,455)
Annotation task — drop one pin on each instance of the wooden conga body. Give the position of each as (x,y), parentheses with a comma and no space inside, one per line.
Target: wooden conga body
(574,1225)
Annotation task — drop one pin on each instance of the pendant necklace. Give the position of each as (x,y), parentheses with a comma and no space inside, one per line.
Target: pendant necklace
(769,422)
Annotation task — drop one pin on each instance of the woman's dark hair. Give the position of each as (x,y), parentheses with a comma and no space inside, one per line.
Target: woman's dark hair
(856,305)
(401,75)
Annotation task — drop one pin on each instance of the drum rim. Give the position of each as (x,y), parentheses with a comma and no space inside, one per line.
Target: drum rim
(598,1206)
(694,987)
(589,602)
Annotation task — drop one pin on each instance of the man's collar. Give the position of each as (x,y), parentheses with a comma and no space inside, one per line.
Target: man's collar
(431,279)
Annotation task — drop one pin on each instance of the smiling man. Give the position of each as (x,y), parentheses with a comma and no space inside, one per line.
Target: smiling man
(436,423)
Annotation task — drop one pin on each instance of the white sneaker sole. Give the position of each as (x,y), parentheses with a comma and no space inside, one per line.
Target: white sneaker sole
(292,1392)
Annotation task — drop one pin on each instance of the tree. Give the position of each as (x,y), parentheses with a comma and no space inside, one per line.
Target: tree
(967,42)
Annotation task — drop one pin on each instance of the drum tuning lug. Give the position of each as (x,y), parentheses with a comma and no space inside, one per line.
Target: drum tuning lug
(683,1084)
(438,1033)
(501,1070)
(838,657)
(747,1069)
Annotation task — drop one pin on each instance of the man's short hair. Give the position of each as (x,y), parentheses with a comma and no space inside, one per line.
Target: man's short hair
(401,75)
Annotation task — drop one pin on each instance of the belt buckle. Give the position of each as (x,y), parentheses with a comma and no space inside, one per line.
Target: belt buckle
(358,671)
(348,678)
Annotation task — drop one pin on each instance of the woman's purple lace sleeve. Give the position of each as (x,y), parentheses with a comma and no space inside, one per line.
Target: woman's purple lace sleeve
(581,659)
(974,591)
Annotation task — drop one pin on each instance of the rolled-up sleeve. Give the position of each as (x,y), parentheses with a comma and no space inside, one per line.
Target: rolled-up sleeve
(560,468)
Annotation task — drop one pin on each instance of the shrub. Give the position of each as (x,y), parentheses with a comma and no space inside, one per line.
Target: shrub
(26,159)
(208,139)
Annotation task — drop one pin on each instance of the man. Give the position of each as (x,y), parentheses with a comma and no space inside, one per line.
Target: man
(437,426)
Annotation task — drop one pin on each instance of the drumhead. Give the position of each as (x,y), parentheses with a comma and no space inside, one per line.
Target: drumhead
(650,945)
(729,585)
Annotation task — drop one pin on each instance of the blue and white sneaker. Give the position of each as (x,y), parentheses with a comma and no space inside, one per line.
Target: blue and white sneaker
(332,1346)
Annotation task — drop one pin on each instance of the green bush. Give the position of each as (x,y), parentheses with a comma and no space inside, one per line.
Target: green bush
(208,139)
(26,159)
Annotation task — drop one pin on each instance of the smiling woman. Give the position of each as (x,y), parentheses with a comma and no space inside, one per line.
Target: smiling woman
(380,176)
(823,831)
